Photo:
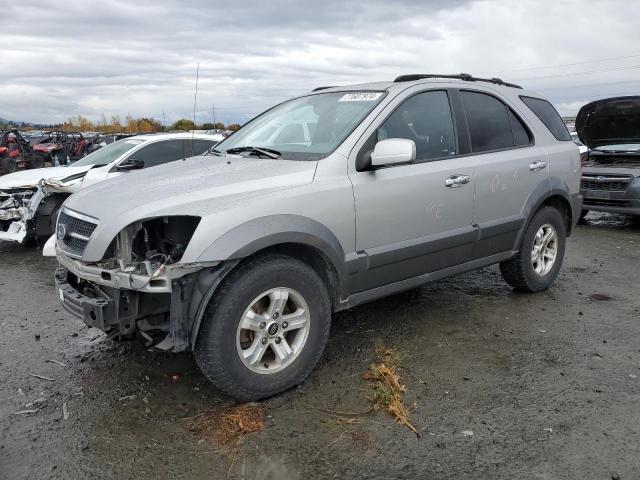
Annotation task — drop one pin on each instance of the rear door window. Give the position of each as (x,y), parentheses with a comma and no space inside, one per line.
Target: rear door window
(521,135)
(492,124)
(488,121)
(161,152)
(549,116)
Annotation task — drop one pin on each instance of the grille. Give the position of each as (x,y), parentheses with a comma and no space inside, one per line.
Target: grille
(614,161)
(77,233)
(597,202)
(615,186)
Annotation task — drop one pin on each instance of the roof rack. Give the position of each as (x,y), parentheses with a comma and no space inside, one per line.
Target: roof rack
(322,88)
(462,76)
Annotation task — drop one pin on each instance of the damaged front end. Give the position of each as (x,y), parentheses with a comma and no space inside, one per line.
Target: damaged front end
(140,286)
(18,208)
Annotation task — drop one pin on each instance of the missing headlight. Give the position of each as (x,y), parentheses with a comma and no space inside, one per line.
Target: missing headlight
(163,240)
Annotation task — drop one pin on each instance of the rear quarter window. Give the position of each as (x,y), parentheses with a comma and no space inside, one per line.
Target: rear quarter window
(549,116)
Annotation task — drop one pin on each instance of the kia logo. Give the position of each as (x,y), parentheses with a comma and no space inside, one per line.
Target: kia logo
(600,179)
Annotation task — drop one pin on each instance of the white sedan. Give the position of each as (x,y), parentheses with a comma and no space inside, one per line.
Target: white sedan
(30,199)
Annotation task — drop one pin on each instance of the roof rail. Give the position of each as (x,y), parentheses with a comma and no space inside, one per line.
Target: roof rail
(322,88)
(462,76)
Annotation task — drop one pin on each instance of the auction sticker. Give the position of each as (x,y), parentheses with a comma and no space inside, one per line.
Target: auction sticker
(360,97)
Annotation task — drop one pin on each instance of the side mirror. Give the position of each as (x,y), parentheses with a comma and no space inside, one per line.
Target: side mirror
(131,164)
(393,151)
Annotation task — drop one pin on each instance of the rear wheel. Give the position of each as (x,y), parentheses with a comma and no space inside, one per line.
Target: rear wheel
(7,165)
(265,329)
(536,265)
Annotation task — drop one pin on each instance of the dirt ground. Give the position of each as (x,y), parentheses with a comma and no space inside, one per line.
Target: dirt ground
(500,384)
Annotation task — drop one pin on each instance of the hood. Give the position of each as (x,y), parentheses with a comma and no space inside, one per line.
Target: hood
(192,186)
(28,178)
(611,121)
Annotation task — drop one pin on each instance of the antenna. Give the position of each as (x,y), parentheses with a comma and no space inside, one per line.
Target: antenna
(195,102)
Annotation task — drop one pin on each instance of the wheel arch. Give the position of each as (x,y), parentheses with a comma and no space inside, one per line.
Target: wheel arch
(554,192)
(299,237)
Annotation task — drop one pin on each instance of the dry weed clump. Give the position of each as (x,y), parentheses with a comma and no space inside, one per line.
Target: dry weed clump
(230,425)
(387,390)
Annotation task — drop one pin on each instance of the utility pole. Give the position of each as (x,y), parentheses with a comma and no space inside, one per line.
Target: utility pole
(213,110)
(164,122)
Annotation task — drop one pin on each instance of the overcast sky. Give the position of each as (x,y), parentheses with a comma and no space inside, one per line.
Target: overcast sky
(119,57)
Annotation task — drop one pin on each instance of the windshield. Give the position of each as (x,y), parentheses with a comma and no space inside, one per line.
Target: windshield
(306,128)
(108,154)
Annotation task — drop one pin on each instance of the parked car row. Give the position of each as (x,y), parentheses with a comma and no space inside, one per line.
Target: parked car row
(328,200)
(30,150)
(30,200)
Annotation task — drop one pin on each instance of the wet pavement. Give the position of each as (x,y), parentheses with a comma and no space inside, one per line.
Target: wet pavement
(548,384)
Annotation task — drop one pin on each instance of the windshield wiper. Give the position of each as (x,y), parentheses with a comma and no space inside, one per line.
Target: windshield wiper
(214,151)
(267,152)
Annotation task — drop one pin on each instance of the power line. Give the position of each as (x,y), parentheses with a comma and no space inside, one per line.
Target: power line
(563,64)
(589,85)
(592,96)
(573,74)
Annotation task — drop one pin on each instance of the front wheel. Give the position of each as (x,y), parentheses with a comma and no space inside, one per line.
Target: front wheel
(265,329)
(536,265)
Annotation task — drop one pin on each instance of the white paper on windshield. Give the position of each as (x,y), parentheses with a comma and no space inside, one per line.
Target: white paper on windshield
(360,97)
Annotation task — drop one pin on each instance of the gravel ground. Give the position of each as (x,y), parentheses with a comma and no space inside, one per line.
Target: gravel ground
(499,384)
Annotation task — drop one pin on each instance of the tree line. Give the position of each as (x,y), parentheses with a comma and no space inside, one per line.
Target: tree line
(138,125)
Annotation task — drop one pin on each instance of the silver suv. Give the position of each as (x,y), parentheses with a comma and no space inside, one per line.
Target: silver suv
(319,204)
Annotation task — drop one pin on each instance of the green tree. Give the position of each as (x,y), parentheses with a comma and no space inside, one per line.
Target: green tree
(183,124)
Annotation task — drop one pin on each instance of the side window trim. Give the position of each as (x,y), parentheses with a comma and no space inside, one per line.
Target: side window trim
(381,120)
(465,125)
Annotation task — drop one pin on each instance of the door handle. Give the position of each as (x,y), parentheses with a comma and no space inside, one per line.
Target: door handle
(454,181)
(535,166)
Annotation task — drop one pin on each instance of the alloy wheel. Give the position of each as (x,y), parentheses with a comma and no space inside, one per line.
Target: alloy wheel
(273,330)
(545,249)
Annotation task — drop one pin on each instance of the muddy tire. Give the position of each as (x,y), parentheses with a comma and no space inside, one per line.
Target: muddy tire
(7,165)
(265,328)
(536,265)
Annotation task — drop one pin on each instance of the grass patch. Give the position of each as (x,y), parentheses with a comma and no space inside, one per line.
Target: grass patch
(387,390)
(230,425)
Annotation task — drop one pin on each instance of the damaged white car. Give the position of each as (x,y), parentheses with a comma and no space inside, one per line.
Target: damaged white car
(30,199)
